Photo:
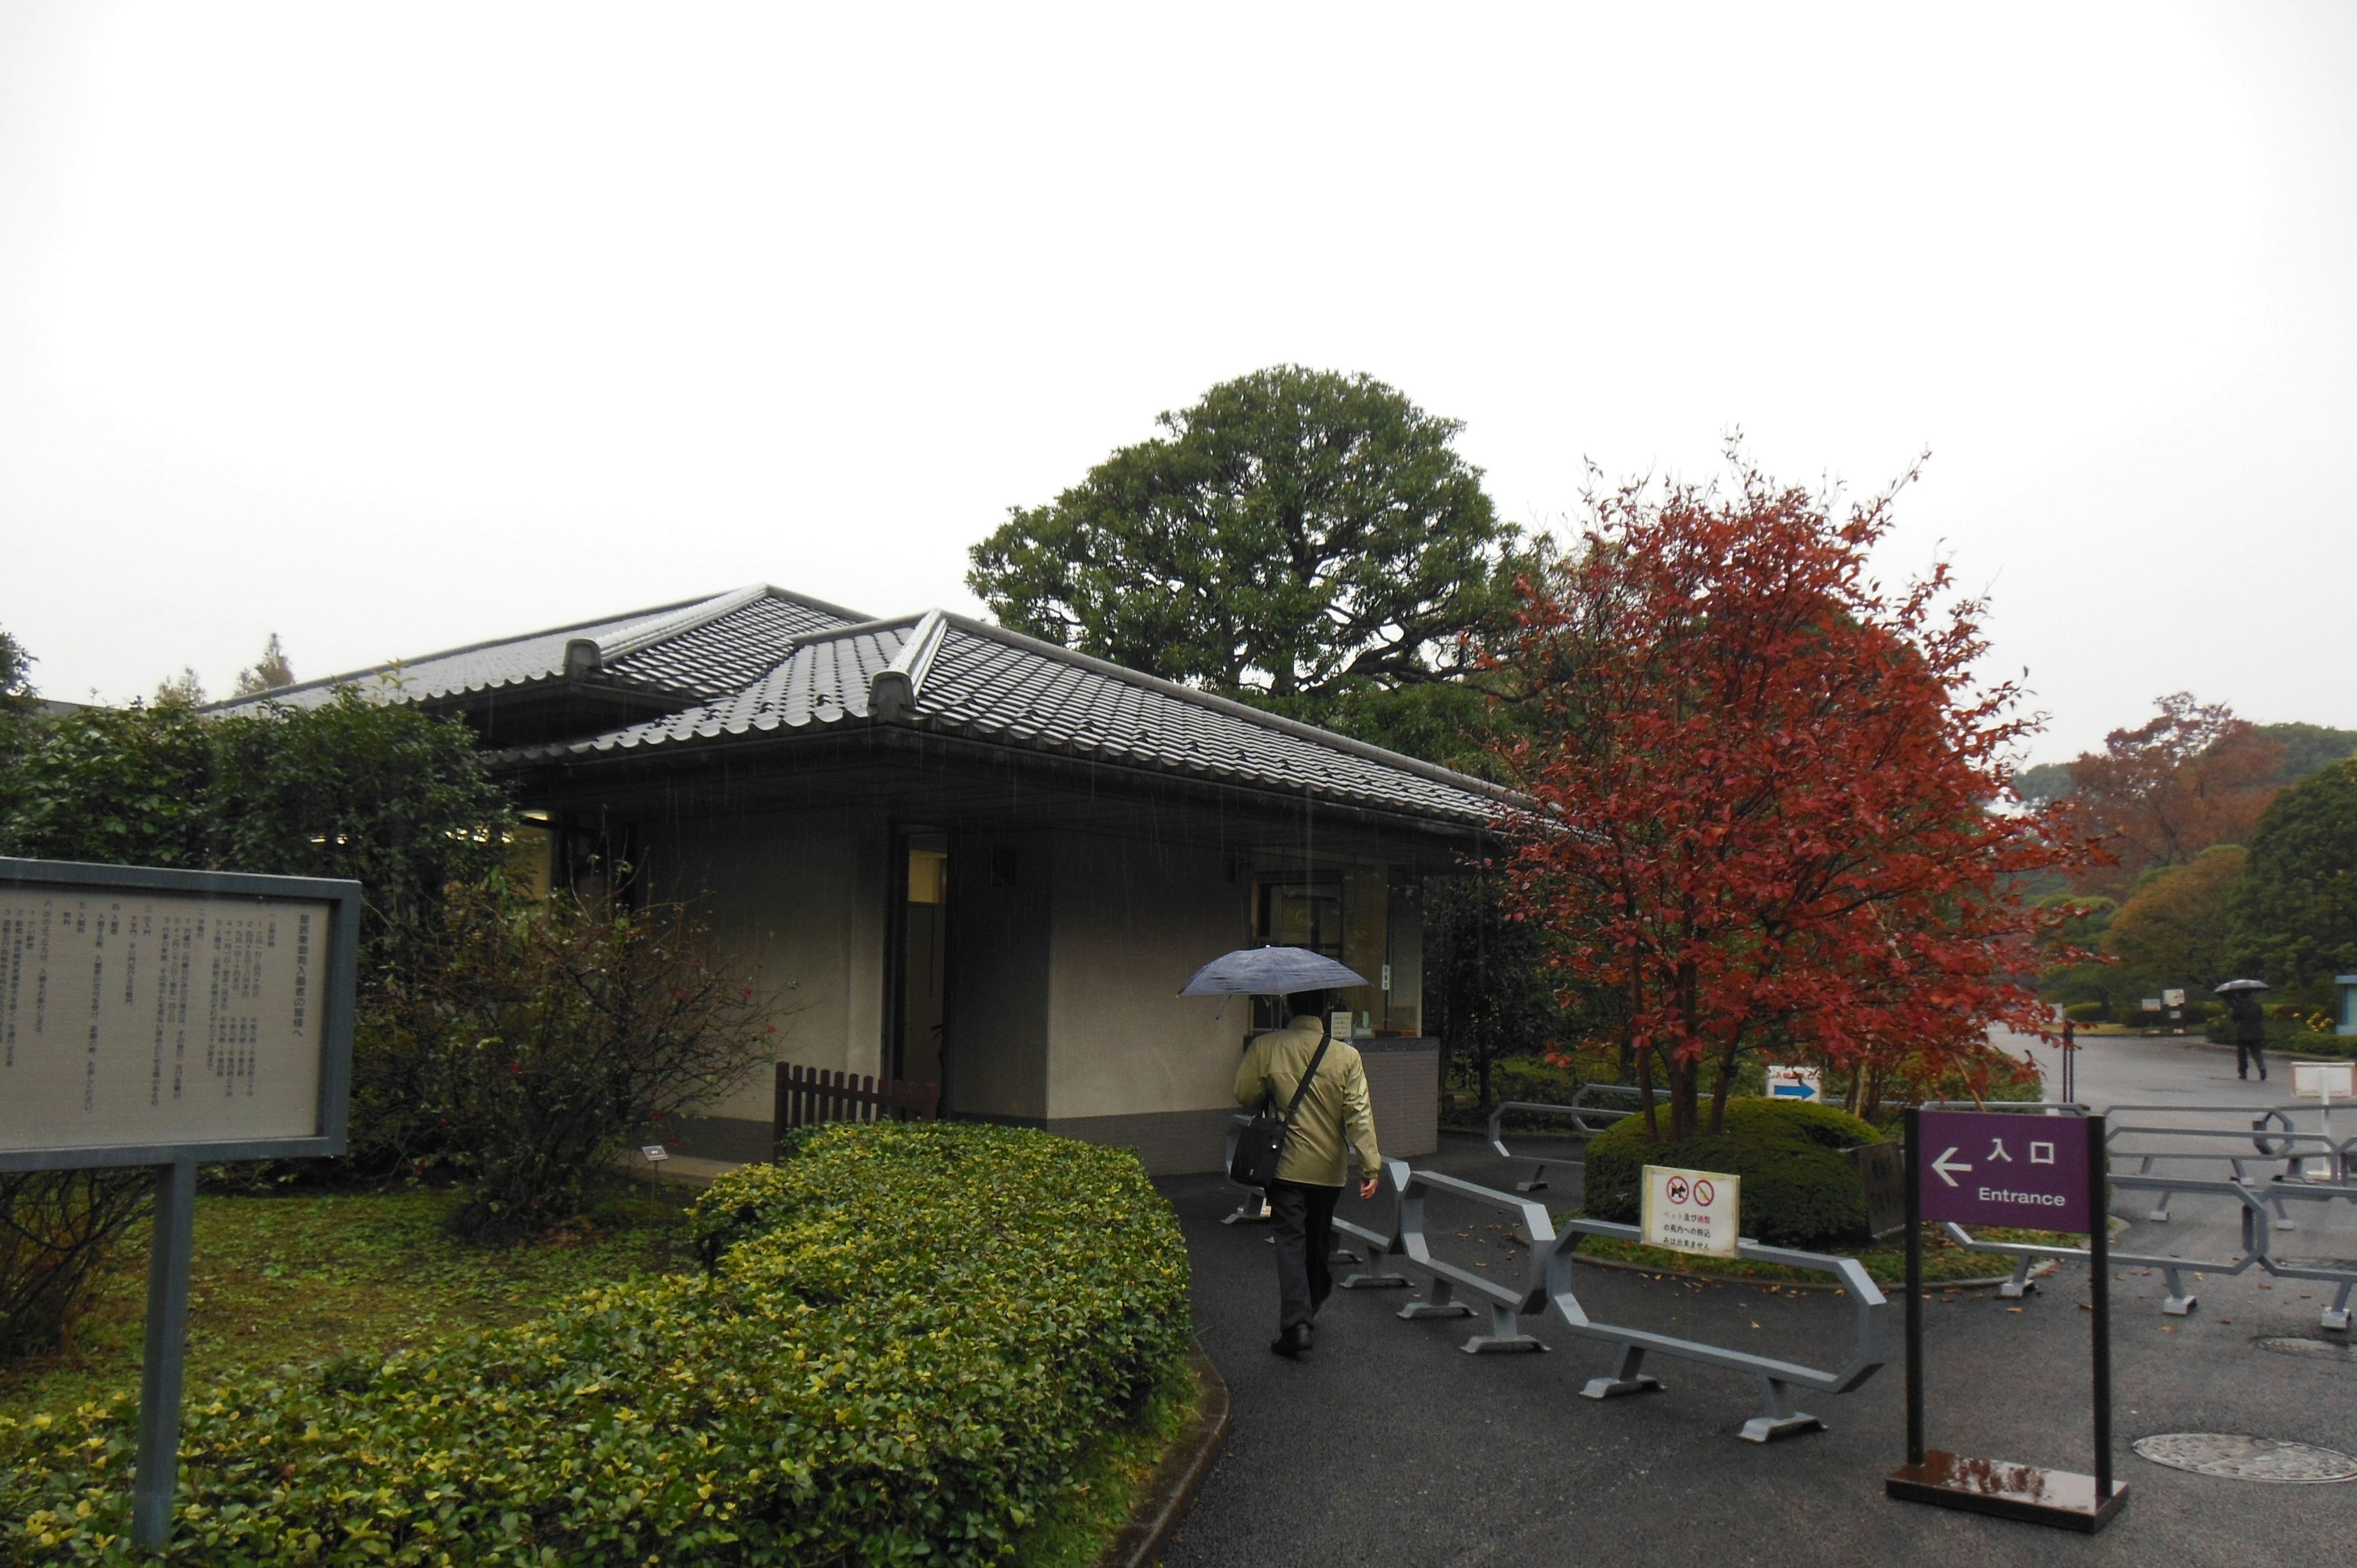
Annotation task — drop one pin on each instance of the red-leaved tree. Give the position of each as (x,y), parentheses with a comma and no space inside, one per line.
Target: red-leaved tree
(1765,793)
(2190,777)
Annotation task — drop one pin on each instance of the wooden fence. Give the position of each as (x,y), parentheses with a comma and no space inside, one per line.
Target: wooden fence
(809,1096)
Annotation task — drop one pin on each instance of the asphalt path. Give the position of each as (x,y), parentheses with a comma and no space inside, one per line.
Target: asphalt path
(1388,1445)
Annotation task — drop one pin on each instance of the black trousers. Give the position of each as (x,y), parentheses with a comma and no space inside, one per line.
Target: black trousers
(2248,1052)
(1303,1218)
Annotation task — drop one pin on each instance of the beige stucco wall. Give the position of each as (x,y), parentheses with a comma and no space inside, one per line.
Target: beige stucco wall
(801,897)
(1130,921)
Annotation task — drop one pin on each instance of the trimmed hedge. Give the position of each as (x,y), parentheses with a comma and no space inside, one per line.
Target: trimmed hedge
(1799,1188)
(907,1336)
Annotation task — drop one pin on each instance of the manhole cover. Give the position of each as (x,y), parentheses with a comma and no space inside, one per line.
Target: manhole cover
(2316,1349)
(2246,1458)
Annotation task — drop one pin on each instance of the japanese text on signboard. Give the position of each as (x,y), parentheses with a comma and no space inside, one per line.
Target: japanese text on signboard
(1995,1169)
(153,1017)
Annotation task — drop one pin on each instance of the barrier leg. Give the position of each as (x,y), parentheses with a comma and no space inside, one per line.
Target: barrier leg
(1779,1419)
(2181,1300)
(1442,1302)
(1375,1282)
(2337,1316)
(2283,1216)
(1505,1333)
(1342,1254)
(1537,1182)
(1629,1378)
(2021,1284)
(1253,1210)
(2159,1215)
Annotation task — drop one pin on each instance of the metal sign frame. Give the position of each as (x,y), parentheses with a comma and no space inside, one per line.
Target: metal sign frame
(2025,1492)
(169,1259)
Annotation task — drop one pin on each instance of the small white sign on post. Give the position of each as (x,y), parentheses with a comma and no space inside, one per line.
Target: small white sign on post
(2173,998)
(1692,1211)
(1794,1083)
(2327,1081)
(654,1152)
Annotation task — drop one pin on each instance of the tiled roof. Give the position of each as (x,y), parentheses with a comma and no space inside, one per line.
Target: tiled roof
(947,674)
(700,648)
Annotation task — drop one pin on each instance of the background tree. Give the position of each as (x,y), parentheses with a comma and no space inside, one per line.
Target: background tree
(2177,929)
(1760,791)
(2296,907)
(186,690)
(2190,777)
(2080,973)
(2308,749)
(266,673)
(1302,538)
(17,694)
(1488,993)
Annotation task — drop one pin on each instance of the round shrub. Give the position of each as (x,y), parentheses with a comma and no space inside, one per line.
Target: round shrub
(1799,1188)
(907,1337)
(2086,1013)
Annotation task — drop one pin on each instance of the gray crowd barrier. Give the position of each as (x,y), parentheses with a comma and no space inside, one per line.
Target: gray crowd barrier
(2261,1205)
(1545,1283)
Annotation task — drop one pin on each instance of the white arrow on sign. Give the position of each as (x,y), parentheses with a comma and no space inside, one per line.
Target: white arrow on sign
(1943,1167)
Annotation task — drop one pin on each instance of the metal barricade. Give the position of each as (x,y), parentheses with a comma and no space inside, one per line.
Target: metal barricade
(1545,1285)
(1777,1377)
(2256,1246)
(1588,1114)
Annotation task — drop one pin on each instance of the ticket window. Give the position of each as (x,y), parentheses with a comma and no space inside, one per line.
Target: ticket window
(923,959)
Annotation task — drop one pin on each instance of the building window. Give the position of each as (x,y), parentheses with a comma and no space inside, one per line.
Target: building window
(1303,913)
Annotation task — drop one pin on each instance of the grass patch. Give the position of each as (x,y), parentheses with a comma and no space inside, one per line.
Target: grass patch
(1942,1259)
(292,1280)
(1111,1480)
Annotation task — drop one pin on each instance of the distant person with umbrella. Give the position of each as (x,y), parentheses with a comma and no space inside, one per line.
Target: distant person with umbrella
(2250,1025)
(1321,1083)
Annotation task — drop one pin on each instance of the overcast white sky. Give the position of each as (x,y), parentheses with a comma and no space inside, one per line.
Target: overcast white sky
(390,328)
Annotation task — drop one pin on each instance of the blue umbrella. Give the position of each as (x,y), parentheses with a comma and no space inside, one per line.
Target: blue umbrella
(1269,971)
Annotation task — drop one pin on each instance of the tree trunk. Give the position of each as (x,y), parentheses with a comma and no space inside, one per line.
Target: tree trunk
(1645,1093)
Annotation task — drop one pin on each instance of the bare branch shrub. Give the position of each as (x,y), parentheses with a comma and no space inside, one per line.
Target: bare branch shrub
(551,1036)
(56,1229)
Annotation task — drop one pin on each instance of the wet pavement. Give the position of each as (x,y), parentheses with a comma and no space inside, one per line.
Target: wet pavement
(1388,1445)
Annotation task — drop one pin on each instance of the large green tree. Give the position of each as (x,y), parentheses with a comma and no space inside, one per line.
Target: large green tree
(2296,907)
(2176,930)
(1299,537)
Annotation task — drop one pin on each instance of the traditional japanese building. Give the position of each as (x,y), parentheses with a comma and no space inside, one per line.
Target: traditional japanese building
(980,860)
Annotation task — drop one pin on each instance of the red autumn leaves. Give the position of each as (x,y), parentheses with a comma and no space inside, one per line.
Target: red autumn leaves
(1764,789)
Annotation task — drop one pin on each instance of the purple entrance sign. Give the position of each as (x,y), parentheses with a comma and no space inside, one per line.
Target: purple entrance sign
(1980,1167)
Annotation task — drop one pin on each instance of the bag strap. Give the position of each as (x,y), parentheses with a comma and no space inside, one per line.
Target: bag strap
(1325,1038)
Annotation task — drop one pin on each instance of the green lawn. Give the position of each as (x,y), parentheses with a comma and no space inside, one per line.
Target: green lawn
(293,1279)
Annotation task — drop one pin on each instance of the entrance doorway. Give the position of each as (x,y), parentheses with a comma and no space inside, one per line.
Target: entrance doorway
(920,958)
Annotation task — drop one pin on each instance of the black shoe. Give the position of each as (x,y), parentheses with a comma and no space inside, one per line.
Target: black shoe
(1292,1342)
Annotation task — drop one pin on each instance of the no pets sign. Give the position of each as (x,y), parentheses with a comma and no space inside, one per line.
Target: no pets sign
(1692,1211)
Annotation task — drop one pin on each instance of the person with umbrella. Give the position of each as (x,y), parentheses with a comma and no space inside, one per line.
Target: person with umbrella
(2250,1025)
(1321,1083)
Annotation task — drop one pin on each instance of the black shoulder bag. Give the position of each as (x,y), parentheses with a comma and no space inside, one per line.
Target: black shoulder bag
(1260,1146)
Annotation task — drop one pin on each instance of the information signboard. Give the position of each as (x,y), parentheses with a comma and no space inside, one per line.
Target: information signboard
(167,1018)
(136,1018)
(1692,1211)
(1994,1168)
(1794,1083)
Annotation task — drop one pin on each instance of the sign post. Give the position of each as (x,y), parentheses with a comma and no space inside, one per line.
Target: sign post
(170,1018)
(1993,1169)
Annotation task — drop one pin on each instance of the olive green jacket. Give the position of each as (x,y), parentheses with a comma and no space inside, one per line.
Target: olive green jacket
(1337,1108)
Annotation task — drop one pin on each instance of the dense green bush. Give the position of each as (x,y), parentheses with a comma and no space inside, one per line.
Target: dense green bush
(2087,1013)
(909,1333)
(1799,1188)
